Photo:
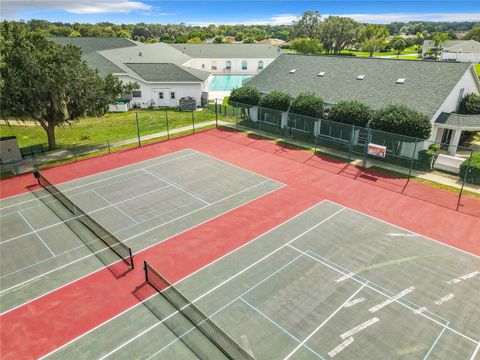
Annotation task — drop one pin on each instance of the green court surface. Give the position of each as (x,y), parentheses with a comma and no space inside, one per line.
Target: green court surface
(329,283)
(44,246)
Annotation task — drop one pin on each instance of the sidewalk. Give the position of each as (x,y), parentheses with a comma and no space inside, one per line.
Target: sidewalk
(26,164)
(430,176)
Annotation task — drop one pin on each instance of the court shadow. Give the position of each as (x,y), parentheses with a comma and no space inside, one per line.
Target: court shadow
(181,328)
(93,242)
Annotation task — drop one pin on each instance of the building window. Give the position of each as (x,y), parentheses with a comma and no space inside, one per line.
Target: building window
(214,65)
(172,95)
(136,93)
(160,95)
(203,66)
(460,96)
(244,65)
(260,64)
(229,65)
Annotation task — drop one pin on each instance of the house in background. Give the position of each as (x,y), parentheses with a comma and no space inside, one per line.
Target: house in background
(167,73)
(431,87)
(456,50)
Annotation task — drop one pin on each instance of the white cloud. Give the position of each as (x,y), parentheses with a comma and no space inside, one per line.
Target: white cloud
(78,6)
(280,19)
(404,17)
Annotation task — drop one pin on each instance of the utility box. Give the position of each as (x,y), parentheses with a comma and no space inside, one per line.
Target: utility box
(187,104)
(9,150)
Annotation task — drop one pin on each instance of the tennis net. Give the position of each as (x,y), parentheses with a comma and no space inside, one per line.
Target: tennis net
(229,347)
(119,248)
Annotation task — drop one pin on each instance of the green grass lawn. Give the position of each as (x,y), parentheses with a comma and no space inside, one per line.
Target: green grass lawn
(111,127)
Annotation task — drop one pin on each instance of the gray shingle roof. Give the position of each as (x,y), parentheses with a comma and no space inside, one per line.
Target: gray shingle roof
(426,86)
(459,121)
(167,72)
(92,44)
(103,65)
(229,50)
(467,46)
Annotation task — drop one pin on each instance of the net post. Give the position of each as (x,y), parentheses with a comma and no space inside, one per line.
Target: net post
(132,265)
(145,271)
(138,129)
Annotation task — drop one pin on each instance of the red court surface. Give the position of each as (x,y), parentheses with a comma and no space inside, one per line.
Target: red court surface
(44,324)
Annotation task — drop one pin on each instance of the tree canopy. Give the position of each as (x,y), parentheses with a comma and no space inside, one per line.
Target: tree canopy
(307,103)
(373,38)
(470,104)
(307,26)
(306,46)
(473,34)
(350,112)
(400,119)
(49,83)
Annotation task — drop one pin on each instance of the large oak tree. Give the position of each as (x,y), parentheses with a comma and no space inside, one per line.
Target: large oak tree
(49,83)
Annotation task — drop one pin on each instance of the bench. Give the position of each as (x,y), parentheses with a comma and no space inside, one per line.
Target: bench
(448,163)
(32,150)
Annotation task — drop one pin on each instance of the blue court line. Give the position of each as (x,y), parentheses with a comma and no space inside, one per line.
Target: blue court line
(280,327)
(436,341)
(389,292)
(230,303)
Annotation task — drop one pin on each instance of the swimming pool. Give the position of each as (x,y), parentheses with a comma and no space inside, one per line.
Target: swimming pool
(227,82)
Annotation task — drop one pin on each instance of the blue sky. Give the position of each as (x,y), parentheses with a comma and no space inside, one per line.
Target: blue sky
(235,12)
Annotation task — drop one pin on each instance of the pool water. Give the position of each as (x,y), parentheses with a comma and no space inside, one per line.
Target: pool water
(227,82)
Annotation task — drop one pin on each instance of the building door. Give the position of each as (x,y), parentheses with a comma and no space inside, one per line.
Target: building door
(446,136)
(161,97)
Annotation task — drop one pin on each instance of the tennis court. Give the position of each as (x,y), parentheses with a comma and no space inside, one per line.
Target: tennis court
(329,283)
(44,246)
(269,257)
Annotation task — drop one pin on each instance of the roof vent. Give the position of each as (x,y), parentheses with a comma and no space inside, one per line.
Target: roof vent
(360,77)
(140,54)
(321,73)
(401,81)
(293,71)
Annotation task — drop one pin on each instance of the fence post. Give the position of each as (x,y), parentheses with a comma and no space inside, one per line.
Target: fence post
(138,129)
(193,122)
(236,117)
(350,145)
(412,162)
(464,179)
(108,144)
(166,121)
(366,149)
(75,153)
(216,115)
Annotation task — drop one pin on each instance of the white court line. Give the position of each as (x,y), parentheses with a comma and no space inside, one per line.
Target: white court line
(146,248)
(103,179)
(340,347)
(463,277)
(115,207)
(355,302)
(35,232)
(196,271)
(399,227)
(444,299)
(199,298)
(175,185)
(390,297)
(324,322)
(91,212)
(387,302)
(280,327)
(475,352)
(360,327)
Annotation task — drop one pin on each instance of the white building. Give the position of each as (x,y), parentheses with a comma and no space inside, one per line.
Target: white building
(433,88)
(166,73)
(456,50)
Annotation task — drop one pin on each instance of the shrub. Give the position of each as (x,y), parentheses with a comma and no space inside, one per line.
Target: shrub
(307,104)
(350,112)
(400,119)
(426,157)
(473,175)
(306,46)
(247,95)
(470,104)
(276,100)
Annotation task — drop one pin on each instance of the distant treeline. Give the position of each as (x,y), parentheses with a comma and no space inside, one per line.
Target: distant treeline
(181,33)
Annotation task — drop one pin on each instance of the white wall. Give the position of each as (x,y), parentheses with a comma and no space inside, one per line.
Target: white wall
(252,65)
(452,102)
(150,92)
(461,57)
